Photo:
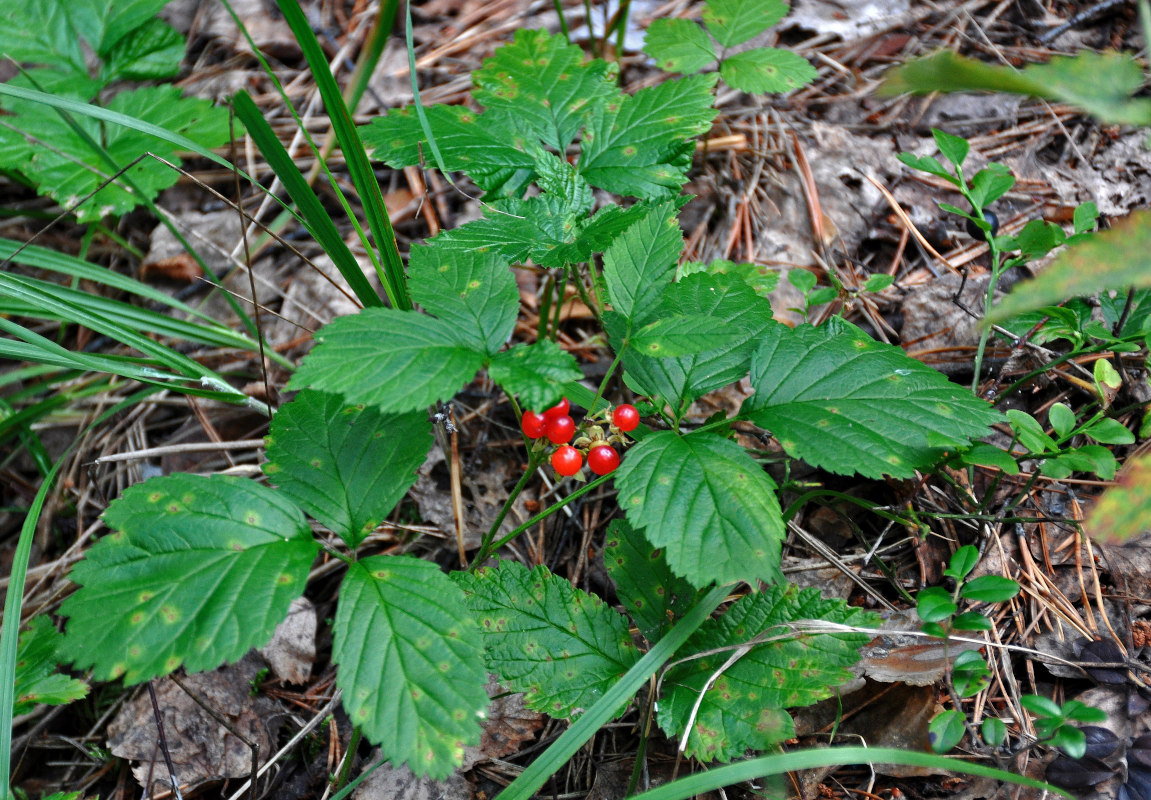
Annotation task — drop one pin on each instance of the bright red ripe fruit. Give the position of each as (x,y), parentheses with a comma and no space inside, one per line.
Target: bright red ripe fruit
(560,409)
(560,430)
(625,417)
(567,460)
(533,425)
(602,459)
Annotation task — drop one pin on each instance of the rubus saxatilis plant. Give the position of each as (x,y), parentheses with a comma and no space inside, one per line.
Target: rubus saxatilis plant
(199,569)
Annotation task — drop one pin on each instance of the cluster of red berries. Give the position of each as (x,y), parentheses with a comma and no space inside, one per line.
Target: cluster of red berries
(559,428)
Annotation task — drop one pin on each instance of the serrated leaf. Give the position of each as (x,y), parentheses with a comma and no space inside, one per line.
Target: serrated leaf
(37,681)
(543,80)
(596,234)
(199,571)
(559,178)
(848,404)
(766,69)
(1123,510)
(41,33)
(409,661)
(733,22)
(72,169)
(743,708)
(762,279)
(652,595)
(105,23)
(489,146)
(707,503)
(640,144)
(346,466)
(152,51)
(536,373)
(640,263)
(1102,84)
(683,335)
(395,360)
(560,646)
(473,291)
(683,379)
(678,45)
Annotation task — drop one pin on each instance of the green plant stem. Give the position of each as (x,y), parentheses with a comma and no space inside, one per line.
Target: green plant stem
(349,757)
(607,376)
(621,28)
(578,493)
(535,458)
(875,508)
(563,21)
(561,290)
(985,334)
(585,296)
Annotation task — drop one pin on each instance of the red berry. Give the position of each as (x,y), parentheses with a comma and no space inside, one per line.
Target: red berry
(625,417)
(533,425)
(567,460)
(602,459)
(558,410)
(560,430)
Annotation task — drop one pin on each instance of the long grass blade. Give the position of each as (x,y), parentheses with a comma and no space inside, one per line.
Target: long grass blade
(315,218)
(355,156)
(828,757)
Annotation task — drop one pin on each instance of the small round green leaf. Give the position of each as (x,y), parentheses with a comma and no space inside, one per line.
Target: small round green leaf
(989,589)
(946,730)
(962,562)
(994,731)
(934,605)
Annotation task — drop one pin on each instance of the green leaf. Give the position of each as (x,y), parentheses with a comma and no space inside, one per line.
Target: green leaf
(640,263)
(762,279)
(199,571)
(106,23)
(989,589)
(802,279)
(879,282)
(1123,510)
(848,404)
(1041,706)
(934,604)
(988,455)
(766,69)
(152,51)
(678,45)
(742,707)
(1085,216)
(72,169)
(733,22)
(953,148)
(544,82)
(346,465)
(640,145)
(1072,740)
(1109,431)
(1062,419)
(41,33)
(409,658)
(396,360)
(1030,432)
(1078,711)
(969,673)
(927,164)
(562,647)
(653,596)
(681,380)
(946,730)
(490,146)
(994,732)
(37,681)
(971,621)
(989,184)
(962,562)
(1100,84)
(536,373)
(684,335)
(707,503)
(473,291)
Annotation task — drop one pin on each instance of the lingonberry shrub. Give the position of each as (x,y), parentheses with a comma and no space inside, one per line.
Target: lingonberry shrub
(200,569)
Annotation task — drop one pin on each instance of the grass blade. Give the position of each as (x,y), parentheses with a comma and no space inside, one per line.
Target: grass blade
(315,218)
(828,757)
(360,170)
